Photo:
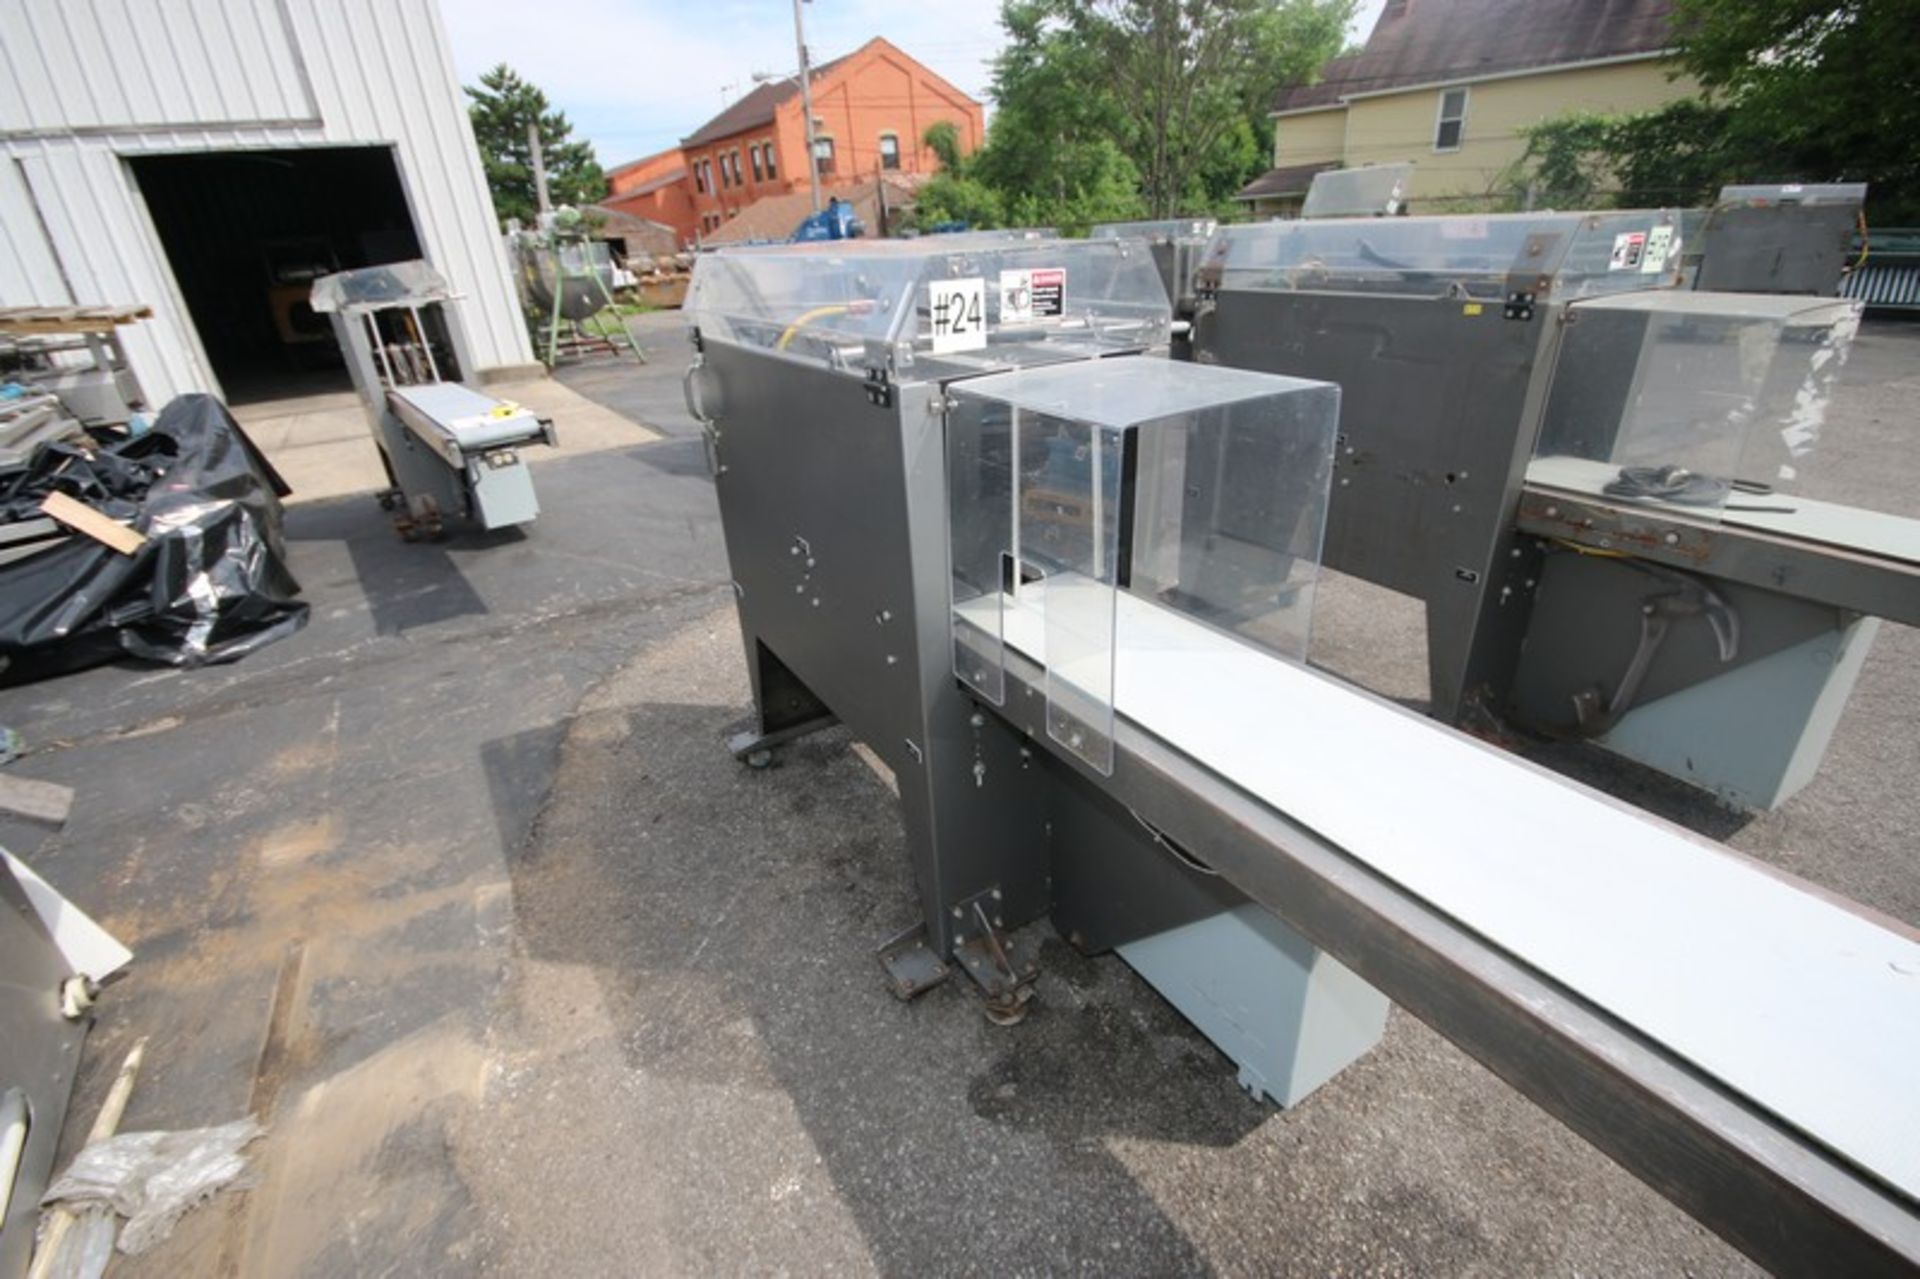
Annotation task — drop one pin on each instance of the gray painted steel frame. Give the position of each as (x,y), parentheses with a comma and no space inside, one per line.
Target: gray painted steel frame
(1785,1201)
(835,515)
(1440,401)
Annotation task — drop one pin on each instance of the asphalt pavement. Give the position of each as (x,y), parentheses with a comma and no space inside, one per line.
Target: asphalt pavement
(459,889)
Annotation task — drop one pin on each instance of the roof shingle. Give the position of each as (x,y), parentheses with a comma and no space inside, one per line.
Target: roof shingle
(1427,41)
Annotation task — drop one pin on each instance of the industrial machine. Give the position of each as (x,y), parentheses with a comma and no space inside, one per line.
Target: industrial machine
(1062,589)
(75,355)
(566,276)
(1583,470)
(451,451)
(1789,238)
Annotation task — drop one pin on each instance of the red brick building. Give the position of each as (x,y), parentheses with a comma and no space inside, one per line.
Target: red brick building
(871,109)
(657,188)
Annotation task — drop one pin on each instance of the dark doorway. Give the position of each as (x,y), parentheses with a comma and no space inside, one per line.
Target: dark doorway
(248,231)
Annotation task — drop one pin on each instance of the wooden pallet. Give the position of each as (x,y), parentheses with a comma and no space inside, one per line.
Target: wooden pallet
(69,319)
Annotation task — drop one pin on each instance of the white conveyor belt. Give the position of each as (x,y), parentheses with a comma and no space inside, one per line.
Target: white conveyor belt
(466,415)
(1849,528)
(1801,1005)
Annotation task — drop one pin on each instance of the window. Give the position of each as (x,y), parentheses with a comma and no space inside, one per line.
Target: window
(733,159)
(1453,120)
(889,151)
(823,156)
(771,171)
(700,176)
(759,173)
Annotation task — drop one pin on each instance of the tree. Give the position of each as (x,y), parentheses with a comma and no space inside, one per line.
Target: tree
(1188,76)
(1678,154)
(1794,90)
(503,106)
(1824,87)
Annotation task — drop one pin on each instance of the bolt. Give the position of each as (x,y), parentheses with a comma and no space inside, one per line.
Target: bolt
(886,615)
(816,601)
(1553,512)
(996,894)
(1344,481)
(977,720)
(1672,539)
(799,589)
(1514,554)
(1456,508)
(809,561)
(999,922)
(956,912)
(891,659)
(793,550)
(979,774)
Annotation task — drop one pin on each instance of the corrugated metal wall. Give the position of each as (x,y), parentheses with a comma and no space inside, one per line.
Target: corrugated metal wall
(84,83)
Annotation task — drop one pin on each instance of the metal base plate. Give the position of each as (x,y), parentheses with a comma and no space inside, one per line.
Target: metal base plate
(911,964)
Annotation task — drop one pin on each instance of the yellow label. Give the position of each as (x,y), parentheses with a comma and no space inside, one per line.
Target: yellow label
(1472,308)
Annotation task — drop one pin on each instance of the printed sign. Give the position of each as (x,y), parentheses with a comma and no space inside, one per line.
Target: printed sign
(1629,250)
(1659,249)
(959,312)
(1031,295)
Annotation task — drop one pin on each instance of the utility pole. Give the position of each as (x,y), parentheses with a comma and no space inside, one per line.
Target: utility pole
(539,168)
(806,104)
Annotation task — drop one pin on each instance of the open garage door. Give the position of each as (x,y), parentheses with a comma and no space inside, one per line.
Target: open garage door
(246,233)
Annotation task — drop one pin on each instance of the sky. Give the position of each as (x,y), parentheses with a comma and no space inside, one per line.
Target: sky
(636,76)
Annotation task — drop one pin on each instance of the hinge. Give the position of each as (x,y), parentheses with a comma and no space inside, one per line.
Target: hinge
(879,389)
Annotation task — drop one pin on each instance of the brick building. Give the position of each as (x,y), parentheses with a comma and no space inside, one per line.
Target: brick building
(871,109)
(658,189)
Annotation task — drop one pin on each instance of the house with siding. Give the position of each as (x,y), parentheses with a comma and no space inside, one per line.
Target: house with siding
(1451,85)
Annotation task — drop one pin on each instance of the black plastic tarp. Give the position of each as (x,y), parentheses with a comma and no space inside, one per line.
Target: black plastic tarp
(211,583)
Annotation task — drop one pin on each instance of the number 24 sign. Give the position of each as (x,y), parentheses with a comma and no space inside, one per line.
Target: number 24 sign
(958,309)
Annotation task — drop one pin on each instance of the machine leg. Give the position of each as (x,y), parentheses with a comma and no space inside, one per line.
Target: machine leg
(755,749)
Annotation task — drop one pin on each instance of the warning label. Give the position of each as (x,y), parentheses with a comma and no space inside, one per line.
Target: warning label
(1629,247)
(1035,294)
(1659,249)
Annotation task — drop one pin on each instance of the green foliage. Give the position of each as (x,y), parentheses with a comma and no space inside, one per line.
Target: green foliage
(1795,90)
(1678,154)
(1109,110)
(1818,90)
(503,106)
(1187,76)
(943,139)
(949,197)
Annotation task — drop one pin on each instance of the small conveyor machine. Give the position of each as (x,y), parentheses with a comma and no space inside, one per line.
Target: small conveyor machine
(451,452)
(1062,588)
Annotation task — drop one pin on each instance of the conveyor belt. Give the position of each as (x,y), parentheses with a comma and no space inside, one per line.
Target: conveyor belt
(460,415)
(1806,1007)
(1845,528)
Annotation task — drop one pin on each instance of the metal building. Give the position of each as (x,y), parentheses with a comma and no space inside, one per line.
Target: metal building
(209,158)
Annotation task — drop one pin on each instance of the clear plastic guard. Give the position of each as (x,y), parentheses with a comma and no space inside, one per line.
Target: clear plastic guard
(973,302)
(1070,517)
(1108,517)
(373,287)
(1376,191)
(1554,255)
(982,443)
(1693,401)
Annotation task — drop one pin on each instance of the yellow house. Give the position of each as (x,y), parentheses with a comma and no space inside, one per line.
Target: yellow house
(1449,85)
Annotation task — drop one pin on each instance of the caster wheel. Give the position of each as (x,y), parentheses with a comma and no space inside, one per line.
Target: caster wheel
(759,759)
